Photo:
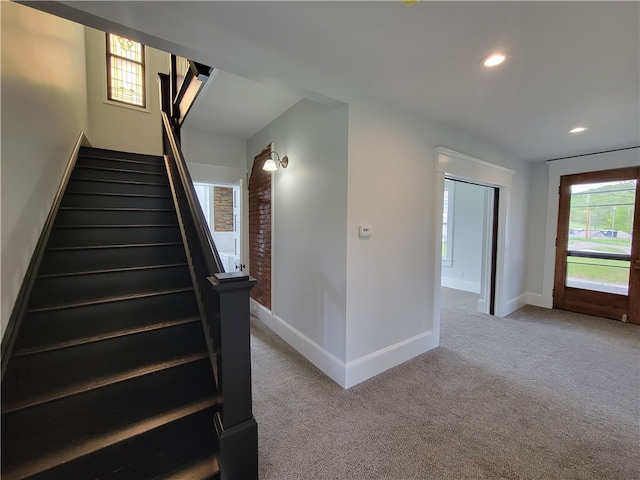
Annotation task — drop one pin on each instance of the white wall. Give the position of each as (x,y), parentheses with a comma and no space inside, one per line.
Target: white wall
(118,127)
(537,231)
(208,148)
(468,218)
(309,210)
(390,284)
(44,110)
(390,277)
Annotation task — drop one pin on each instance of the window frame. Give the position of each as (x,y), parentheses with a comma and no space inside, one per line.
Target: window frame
(449,191)
(143,64)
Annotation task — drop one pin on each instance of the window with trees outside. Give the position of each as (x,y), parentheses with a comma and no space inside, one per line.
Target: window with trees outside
(125,71)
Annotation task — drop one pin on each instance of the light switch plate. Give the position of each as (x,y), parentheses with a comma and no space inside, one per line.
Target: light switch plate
(365,231)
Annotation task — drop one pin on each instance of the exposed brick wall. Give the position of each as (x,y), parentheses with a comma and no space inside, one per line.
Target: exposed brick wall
(260,230)
(223,209)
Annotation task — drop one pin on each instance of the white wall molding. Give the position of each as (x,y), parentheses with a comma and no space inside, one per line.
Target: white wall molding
(538,300)
(328,363)
(467,158)
(356,371)
(370,365)
(459,284)
(514,304)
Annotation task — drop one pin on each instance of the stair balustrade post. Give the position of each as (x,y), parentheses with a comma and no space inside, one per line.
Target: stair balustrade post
(236,427)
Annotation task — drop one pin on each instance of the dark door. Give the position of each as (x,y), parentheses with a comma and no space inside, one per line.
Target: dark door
(597,252)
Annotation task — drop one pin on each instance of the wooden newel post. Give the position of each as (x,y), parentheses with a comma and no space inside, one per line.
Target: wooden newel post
(235,425)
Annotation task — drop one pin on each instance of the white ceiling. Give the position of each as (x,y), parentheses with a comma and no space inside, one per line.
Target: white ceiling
(238,107)
(571,63)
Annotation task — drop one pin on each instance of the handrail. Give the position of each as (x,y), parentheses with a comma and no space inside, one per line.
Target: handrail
(20,305)
(223,302)
(185,86)
(213,262)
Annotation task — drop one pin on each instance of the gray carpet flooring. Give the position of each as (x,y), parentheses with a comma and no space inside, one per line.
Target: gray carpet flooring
(541,394)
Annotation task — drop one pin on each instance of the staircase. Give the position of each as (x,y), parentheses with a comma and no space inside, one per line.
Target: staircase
(110,376)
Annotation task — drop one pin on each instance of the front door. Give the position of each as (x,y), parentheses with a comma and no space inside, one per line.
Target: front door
(597,252)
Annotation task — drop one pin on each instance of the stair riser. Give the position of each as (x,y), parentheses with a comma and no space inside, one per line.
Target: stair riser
(114,201)
(120,164)
(58,326)
(68,261)
(82,173)
(54,291)
(44,375)
(115,217)
(98,186)
(84,237)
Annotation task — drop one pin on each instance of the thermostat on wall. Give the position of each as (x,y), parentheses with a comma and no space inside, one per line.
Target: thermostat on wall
(365,231)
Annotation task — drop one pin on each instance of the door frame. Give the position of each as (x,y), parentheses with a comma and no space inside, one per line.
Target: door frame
(593,302)
(463,167)
(627,157)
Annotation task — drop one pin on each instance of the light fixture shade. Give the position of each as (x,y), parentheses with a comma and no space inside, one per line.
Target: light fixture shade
(270,165)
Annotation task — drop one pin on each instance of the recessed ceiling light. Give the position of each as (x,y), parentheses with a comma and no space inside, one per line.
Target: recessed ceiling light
(494,59)
(578,129)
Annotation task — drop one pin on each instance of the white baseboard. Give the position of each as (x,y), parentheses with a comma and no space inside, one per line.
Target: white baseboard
(514,304)
(374,363)
(481,306)
(539,300)
(356,371)
(458,284)
(331,365)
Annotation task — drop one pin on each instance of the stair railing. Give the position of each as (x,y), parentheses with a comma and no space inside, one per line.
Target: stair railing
(223,300)
(20,305)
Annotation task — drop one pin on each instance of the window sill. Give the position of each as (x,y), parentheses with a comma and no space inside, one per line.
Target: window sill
(127,106)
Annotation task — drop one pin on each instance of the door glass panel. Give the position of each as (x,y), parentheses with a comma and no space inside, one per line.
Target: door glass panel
(600,232)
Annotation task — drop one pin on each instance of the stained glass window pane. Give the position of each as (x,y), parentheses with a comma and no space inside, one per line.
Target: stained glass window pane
(126,70)
(123,47)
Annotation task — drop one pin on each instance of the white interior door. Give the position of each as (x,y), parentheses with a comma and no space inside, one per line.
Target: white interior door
(237,225)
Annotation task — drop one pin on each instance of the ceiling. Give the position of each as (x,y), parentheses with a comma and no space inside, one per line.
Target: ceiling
(237,107)
(570,63)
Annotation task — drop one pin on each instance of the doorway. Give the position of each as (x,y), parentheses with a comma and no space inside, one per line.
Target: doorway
(469,242)
(222,206)
(597,268)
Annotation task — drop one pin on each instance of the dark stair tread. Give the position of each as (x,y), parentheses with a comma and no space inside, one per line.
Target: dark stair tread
(35,466)
(122,170)
(119,159)
(47,347)
(116,298)
(205,469)
(89,321)
(42,377)
(99,247)
(127,182)
(95,383)
(119,209)
(157,454)
(58,426)
(149,225)
(117,194)
(112,270)
(95,152)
